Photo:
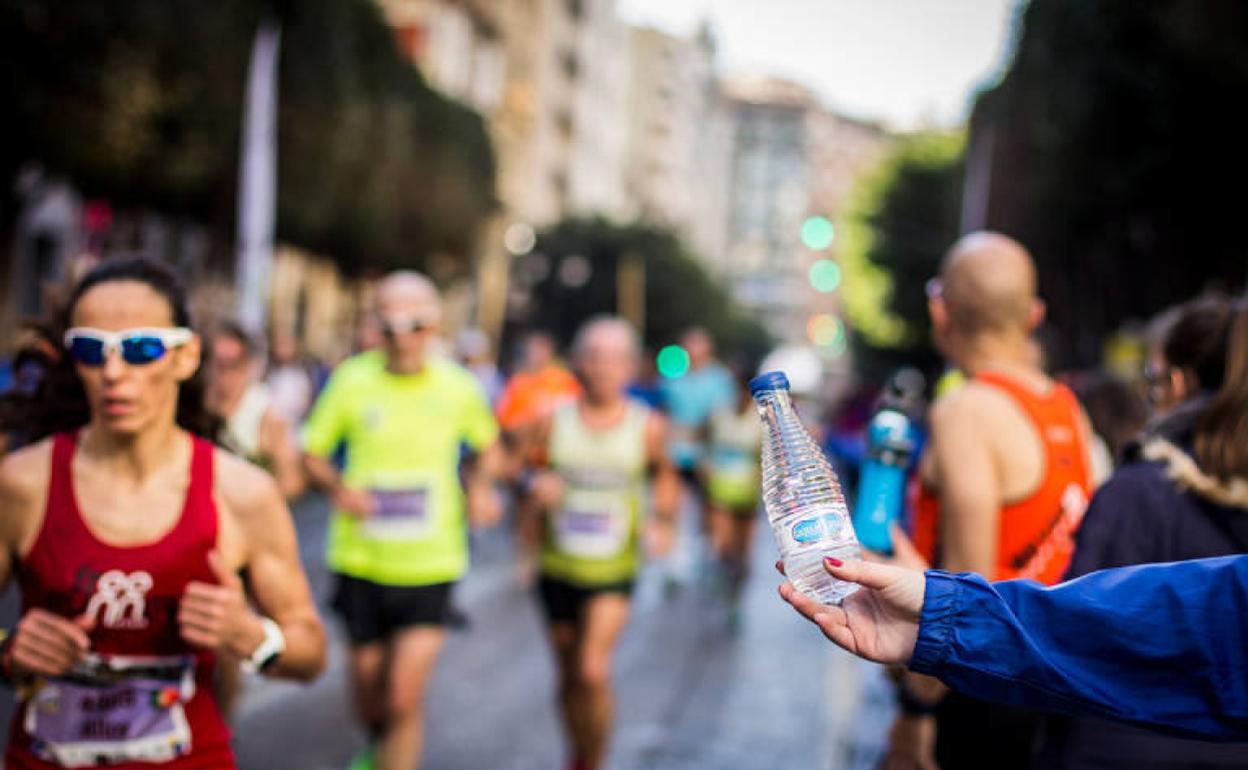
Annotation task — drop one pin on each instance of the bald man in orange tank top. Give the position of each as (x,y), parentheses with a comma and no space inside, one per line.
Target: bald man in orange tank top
(1004,484)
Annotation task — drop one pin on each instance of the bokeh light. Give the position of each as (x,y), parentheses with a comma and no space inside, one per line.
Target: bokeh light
(825,275)
(825,330)
(519,238)
(817,233)
(672,361)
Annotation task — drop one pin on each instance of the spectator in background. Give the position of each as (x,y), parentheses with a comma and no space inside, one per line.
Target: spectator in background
(1188,363)
(472,348)
(289,380)
(1183,496)
(254,428)
(36,354)
(1117,414)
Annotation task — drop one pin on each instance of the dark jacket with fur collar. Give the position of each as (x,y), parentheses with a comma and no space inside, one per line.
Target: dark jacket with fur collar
(1160,506)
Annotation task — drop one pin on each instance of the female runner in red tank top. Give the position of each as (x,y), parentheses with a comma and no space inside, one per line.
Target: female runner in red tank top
(126,543)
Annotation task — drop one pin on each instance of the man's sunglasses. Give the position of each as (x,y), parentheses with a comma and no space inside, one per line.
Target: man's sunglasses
(91,347)
(402,325)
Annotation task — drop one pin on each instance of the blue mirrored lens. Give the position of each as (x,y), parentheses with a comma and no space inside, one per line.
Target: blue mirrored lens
(87,351)
(142,350)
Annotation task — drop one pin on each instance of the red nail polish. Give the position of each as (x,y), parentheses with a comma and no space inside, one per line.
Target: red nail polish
(833,562)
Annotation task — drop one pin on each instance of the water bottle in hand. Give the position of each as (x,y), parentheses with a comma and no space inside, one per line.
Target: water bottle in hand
(802,495)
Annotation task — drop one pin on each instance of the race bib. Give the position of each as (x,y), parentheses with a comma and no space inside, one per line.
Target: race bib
(592,525)
(113,709)
(404,507)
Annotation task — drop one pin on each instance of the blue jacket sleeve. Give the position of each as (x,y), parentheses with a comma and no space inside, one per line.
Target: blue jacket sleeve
(1163,645)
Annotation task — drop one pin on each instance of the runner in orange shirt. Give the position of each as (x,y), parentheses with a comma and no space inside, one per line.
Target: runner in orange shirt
(1005,483)
(541,385)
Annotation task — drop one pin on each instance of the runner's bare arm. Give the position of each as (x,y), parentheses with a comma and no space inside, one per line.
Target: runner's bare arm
(970,484)
(666,480)
(278,444)
(525,442)
(543,490)
(970,500)
(324,476)
(265,544)
(485,507)
(661,528)
(43,642)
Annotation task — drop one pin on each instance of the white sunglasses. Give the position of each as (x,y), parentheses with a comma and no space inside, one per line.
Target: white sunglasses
(91,347)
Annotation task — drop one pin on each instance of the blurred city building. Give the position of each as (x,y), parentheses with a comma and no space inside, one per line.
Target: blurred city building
(792,164)
(547,75)
(679,135)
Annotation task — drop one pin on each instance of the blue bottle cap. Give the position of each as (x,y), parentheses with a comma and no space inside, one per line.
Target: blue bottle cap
(768,381)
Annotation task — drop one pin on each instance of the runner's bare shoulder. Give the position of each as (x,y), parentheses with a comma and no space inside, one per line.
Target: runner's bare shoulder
(953,406)
(974,401)
(245,488)
(24,492)
(241,483)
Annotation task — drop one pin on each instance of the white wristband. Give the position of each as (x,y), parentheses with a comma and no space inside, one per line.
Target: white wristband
(272,646)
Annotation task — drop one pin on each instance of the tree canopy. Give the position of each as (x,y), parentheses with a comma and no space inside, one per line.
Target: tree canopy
(140,103)
(900,220)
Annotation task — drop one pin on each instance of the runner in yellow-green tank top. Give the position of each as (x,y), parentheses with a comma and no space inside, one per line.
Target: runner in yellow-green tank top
(590,539)
(601,450)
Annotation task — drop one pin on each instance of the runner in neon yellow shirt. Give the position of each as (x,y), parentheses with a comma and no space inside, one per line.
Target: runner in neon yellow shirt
(398,538)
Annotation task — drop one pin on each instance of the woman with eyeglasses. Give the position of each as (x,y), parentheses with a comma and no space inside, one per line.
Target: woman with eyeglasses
(126,530)
(1181,494)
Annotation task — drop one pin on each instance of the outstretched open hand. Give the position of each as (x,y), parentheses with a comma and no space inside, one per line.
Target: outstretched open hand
(880,621)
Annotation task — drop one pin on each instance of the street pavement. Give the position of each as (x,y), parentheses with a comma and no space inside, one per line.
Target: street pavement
(691,693)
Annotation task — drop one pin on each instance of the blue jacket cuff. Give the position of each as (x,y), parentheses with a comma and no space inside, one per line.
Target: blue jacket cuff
(940,608)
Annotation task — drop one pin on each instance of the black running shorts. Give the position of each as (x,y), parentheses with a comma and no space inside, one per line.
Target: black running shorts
(564,602)
(373,611)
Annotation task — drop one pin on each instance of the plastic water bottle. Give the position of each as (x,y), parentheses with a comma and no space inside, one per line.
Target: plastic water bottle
(882,485)
(802,496)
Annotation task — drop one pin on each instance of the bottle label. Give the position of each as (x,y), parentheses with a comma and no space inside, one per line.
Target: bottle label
(812,529)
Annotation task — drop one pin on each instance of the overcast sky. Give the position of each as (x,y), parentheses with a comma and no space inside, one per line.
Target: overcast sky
(905,62)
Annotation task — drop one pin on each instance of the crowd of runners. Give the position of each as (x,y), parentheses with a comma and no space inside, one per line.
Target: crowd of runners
(143,511)
(148,465)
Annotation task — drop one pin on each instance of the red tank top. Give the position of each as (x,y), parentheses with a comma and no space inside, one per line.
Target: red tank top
(1036,535)
(144,695)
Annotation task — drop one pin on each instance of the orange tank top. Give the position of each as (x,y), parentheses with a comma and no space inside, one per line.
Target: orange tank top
(1036,537)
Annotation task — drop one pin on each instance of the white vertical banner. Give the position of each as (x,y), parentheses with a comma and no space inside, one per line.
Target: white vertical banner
(257,180)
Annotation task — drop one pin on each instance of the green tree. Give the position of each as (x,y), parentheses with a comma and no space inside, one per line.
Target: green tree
(679,291)
(900,220)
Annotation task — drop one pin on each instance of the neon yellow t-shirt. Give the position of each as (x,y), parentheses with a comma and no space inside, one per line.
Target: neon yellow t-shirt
(403,435)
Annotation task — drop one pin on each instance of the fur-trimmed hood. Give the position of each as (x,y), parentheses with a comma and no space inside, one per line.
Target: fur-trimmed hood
(1181,468)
